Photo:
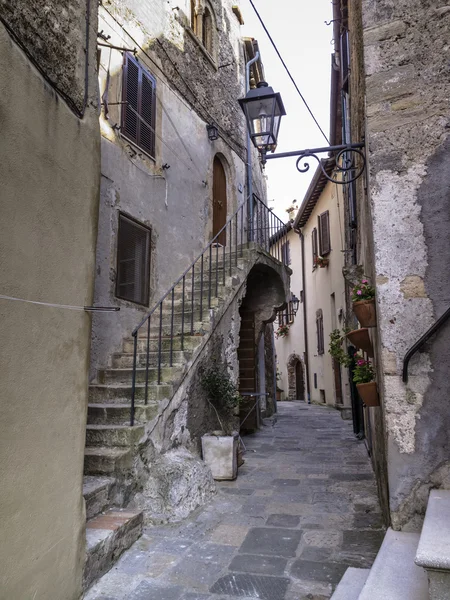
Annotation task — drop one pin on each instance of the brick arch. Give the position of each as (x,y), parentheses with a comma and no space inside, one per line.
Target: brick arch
(292,370)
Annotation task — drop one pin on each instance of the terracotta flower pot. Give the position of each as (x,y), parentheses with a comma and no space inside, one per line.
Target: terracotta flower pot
(360,338)
(369,393)
(365,312)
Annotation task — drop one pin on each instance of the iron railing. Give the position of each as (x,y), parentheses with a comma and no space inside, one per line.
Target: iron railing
(422,341)
(175,315)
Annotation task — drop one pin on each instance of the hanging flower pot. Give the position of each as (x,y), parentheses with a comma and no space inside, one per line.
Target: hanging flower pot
(321,262)
(365,312)
(368,393)
(360,338)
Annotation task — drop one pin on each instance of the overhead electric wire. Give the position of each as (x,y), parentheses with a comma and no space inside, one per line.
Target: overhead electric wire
(287,70)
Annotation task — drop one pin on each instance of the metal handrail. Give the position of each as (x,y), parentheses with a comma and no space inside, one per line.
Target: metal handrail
(263,230)
(418,345)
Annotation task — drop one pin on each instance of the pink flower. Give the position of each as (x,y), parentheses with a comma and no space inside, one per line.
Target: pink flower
(359,292)
(365,281)
(361,362)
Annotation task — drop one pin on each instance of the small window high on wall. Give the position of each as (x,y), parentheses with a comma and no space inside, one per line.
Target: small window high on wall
(207,30)
(133,261)
(324,234)
(139,108)
(319,330)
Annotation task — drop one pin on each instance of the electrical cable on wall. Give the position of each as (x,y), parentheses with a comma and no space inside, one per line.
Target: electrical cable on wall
(65,306)
(287,71)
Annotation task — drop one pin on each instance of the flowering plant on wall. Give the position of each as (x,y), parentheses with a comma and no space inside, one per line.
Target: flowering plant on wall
(363,372)
(282,331)
(321,261)
(363,291)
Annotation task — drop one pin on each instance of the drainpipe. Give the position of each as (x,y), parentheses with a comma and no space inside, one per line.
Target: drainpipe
(305,329)
(249,153)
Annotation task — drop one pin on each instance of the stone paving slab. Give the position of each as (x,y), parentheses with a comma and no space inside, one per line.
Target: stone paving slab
(303,508)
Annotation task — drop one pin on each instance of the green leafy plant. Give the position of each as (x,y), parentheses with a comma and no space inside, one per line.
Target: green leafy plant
(364,371)
(336,349)
(363,291)
(282,331)
(222,392)
(321,261)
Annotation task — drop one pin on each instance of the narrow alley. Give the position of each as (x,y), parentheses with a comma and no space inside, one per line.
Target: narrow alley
(303,508)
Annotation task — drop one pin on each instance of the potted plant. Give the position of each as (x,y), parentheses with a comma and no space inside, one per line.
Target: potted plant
(364,377)
(321,261)
(361,339)
(220,447)
(335,347)
(282,331)
(363,297)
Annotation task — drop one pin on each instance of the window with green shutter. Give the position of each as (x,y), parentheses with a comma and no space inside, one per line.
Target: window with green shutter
(324,234)
(314,246)
(139,108)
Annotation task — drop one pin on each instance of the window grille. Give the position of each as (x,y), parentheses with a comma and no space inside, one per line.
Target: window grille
(139,108)
(324,234)
(133,261)
(319,327)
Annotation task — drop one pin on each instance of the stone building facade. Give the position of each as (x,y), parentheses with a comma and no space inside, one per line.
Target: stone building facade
(50,170)
(397,222)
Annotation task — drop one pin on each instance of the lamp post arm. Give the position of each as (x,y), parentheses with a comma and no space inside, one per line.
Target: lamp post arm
(249,153)
(309,152)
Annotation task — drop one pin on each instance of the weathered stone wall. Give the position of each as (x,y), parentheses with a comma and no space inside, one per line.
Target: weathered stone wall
(407,94)
(53,34)
(192,90)
(49,168)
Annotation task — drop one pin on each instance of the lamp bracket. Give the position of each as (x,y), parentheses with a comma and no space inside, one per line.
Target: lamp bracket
(346,152)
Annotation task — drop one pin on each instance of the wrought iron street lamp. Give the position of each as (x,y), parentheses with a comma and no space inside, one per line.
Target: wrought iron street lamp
(295,304)
(213,132)
(263,109)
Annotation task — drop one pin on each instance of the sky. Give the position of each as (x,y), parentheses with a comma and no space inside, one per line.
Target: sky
(305,42)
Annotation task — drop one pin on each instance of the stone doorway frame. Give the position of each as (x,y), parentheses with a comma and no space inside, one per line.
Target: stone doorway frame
(291,373)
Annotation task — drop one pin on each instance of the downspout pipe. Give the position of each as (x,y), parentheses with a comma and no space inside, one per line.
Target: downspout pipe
(305,328)
(249,154)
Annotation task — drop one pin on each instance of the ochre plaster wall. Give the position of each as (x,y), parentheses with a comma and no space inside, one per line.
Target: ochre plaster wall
(49,164)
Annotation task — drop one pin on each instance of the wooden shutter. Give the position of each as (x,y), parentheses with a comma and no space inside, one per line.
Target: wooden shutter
(314,246)
(319,328)
(133,261)
(324,233)
(139,108)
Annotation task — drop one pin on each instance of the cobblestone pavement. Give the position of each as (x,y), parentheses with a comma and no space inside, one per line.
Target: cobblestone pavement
(303,508)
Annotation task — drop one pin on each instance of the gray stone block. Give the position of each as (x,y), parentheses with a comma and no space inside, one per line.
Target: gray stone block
(351,584)
(329,572)
(283,520)
(248,563)
(259,586)
(271,541)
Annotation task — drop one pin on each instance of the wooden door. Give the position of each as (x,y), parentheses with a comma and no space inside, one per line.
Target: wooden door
(249,416)
(299,383)
(219,201)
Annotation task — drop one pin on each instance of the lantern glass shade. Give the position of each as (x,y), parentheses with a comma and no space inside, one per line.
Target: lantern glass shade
(213,132)
(295,304)
(263,109)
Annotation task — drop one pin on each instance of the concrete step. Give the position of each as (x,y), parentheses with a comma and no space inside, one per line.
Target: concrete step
(189,342)
(100,393)
(96,493)
(394,575)
(124,360)
(168,375)
(433,552)
(107,537)
(351,584)
(199,327)
(117,436)
(119,414)
(107,461)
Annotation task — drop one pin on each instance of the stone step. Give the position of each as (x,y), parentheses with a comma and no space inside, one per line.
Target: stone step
(113,435)
(433,552)
(119,414)
(351,584)
(100,393)
(168,375)
(198,327)
(96,493)
(107,537)
(124,360)
(394,575)
(106,461)
(189,342)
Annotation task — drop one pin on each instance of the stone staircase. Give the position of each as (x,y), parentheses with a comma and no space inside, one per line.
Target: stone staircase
(113,450)
(409,566)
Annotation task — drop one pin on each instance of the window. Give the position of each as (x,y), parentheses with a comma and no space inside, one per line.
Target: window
(286,253)
(207,30)
(314,246)
(345,60)
(133,261)
(139,108)
(193,17)
(324,234)
(319,329)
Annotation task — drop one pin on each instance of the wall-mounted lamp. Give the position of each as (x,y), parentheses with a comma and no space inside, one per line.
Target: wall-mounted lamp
(295,303)
(263,109)
(213,132)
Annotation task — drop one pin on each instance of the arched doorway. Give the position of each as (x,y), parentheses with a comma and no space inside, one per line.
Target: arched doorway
(296,381)
(219,200)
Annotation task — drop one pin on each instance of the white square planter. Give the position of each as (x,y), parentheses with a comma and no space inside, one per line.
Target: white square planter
(220,454)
